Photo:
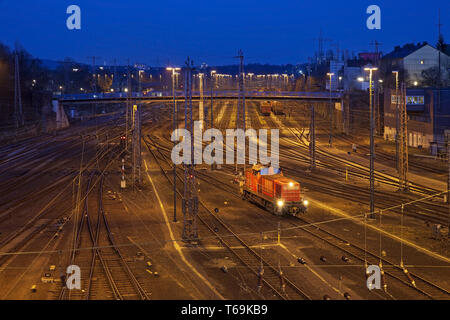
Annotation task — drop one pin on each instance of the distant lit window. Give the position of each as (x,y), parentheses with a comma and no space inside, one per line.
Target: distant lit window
(415,100)
(422,62)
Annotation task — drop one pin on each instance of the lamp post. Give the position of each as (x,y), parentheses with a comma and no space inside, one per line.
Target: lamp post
(330,74)
(175,126)
(139,82)
(371,69)
(213,72)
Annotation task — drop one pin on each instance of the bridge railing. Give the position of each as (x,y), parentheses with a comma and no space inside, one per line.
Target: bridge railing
(216,93)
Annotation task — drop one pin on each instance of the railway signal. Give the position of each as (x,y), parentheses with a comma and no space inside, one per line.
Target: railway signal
(123,183)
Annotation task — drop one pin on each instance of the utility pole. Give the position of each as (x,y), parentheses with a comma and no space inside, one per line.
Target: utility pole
(128,103)
(330,140)
(403,150)
(448,186)
(312,138)
(371,69)
(18,111)
(439,54)
(241,97)
(376,44)
(136,144)
(397,122)
(175,127)
(190,197)
(213,166)
(321,40)
(201,109)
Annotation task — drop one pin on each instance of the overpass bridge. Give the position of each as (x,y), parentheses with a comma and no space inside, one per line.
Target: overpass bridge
(165,96)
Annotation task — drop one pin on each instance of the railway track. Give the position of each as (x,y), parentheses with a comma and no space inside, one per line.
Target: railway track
(248,257)
(112,276)
(427,211)
(417,283)
(391,158)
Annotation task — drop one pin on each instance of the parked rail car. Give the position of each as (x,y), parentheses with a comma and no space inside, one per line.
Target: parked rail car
(265,107)
(275,192)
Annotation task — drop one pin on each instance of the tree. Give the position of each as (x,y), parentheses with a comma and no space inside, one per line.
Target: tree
(104,82)
(431,77)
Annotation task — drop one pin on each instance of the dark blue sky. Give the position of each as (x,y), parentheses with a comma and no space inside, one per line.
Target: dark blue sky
(211,31)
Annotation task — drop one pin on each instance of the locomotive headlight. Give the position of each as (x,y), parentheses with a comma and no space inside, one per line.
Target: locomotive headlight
(280,203)
(305,202)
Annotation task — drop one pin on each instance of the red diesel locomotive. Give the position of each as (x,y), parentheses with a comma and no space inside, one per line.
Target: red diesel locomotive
(265,108)
(270,189)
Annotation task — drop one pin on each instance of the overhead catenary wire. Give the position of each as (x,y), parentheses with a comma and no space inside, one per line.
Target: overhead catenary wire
(312,224)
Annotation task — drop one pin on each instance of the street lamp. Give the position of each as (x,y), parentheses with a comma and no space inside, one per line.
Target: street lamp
(371,69)
(213,73)
(330,74)
(139,82)
(175,126)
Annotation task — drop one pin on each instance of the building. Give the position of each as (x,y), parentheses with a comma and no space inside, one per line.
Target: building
(428,120)
(354,76)
(415,59)
(335,68)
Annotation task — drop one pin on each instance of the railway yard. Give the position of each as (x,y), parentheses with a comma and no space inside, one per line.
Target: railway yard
(62,204)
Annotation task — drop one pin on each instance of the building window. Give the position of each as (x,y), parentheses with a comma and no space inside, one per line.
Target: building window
(422,62)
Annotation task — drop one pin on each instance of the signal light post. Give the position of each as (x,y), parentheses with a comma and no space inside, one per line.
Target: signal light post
(123,183)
